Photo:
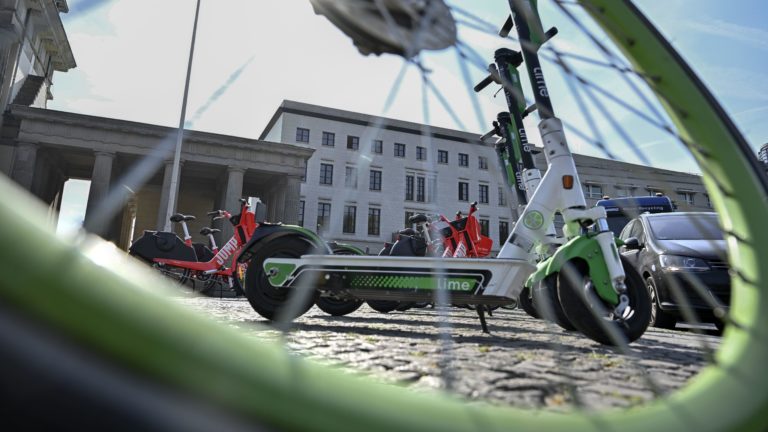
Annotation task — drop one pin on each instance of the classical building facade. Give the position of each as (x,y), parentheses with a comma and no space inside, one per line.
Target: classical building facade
(368,174)
(128,163)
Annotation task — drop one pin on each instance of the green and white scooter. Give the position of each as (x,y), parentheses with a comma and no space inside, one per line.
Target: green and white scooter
(600,294)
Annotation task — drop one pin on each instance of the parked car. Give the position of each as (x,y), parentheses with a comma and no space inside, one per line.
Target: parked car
(682,258)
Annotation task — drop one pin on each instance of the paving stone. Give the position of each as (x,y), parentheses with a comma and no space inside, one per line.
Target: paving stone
(524,362)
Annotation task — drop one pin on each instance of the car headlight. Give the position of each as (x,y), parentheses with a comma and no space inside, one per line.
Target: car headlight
(682,263)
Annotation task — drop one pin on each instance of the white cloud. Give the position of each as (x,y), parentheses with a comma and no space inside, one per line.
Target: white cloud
(756,37)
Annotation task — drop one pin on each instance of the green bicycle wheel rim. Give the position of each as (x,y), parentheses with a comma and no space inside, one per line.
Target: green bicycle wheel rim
(102,305)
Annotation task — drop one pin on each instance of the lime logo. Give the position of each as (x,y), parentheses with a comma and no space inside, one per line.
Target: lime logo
(533,219)
(278,273)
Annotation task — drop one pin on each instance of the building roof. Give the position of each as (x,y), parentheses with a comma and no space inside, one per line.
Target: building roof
(326,113)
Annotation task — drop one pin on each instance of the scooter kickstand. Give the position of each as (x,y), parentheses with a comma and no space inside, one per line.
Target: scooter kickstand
(481,313)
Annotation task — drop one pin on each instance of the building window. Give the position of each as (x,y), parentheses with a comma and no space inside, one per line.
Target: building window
(375,180)
(594,191)
(323,216)
(304,176)
(407,223)
(442,156)
(503,231)
(685,196)
(622,192)
(329,139)
(421,153)
(463,191)
(420,189)
(350,177)
(502,197)
(302,135)
(374,221)
(485,226)
(416,188)
(399,150)
(482,162)
(301,213)
(409,182)
(326,174)
(709,201)
(463,159)
(353,142)
(483,190)
(378,146)
(652,191)
(350,216)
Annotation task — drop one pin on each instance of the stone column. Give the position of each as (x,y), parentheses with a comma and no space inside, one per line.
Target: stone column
(278,200)
(24,165)
(128,223)
(165,194)
(233,191)
(291,197)
(100,179)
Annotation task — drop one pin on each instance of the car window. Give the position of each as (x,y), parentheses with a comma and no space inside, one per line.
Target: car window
(686,227)
(639,232)
(625,233)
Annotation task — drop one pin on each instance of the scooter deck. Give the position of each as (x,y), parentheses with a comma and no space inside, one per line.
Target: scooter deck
(471,276)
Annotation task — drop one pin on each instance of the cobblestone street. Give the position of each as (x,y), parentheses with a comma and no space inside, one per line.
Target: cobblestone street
(524,362)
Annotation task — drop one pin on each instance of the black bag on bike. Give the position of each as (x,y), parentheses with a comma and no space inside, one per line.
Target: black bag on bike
(154,244)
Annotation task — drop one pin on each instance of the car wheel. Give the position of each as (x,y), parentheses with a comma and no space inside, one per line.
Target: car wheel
(659,318)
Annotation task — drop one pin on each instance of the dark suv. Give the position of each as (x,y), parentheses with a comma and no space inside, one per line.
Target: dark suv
(682,258)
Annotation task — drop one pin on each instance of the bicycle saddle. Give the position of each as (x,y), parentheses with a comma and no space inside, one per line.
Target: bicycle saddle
(178,217)
(205,231)
(391,26)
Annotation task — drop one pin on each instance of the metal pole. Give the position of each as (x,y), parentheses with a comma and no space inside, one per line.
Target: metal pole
(171,209)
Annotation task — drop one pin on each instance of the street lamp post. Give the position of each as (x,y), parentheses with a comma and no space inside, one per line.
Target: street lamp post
(172,194)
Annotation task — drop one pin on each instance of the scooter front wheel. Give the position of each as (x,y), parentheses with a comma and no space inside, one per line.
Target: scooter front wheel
(595,319)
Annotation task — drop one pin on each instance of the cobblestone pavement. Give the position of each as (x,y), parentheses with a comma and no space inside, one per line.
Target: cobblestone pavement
(524,362)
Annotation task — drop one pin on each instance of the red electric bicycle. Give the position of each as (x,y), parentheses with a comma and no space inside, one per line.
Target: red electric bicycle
(436,235)
(190,263)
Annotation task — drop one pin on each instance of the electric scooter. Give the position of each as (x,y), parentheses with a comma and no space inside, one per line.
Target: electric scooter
(601,294)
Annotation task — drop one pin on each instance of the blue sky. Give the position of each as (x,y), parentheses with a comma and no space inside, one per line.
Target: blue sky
(250,55)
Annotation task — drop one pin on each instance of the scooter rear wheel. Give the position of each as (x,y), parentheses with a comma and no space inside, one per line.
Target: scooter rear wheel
(269,301)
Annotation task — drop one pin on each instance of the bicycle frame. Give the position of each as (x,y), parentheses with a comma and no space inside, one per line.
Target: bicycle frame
(243,230)
(462,237)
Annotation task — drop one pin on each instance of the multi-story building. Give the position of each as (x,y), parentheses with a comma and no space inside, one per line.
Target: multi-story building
(33,45)
(368,174)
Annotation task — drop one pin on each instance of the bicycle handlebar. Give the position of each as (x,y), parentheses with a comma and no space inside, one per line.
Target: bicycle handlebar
(219,214)
(493,77)
(483,84)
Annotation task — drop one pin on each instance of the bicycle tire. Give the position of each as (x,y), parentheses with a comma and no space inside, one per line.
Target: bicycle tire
(95,305)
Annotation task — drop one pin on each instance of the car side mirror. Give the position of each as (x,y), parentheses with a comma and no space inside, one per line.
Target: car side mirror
(632,243)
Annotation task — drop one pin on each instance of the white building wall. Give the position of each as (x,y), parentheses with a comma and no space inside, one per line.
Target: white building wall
(391,199)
